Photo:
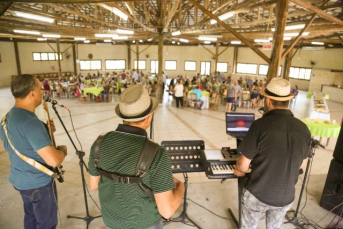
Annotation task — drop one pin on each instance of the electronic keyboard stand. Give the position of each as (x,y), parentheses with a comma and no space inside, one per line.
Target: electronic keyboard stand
(183,217)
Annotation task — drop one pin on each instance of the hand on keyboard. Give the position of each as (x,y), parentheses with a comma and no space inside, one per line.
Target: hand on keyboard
(239,173)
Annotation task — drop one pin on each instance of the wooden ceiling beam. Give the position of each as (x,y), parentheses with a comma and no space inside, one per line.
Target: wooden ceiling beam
(73,1)
(318,11)
(6,6)
(245,41)
(171,13)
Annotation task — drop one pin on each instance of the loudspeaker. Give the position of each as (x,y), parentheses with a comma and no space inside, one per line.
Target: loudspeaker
(338,153)
(333,190)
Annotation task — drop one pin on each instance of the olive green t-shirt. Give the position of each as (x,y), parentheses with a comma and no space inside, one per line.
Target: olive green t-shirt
(126,205)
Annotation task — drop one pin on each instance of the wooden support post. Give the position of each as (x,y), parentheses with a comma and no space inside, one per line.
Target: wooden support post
(129,56)
(234,64)
(280,24)
(59,58)
(137,56)
(159,92)
(17,57)
(74,60)
(216,58)
(287,65)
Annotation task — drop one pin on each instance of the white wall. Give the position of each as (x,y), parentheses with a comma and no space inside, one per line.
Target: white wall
(8,65)
(324,60)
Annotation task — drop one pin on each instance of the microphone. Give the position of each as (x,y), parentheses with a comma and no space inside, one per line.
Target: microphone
(52,101)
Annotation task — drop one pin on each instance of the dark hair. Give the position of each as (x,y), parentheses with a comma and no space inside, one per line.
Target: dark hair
(22,85)
(276,103)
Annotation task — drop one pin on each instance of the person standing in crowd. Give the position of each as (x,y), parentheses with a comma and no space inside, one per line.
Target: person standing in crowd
(277,146)
(238,90)
(231,95)
(30,138)
(254,94)
(125,205)
(106,91)
(179,93)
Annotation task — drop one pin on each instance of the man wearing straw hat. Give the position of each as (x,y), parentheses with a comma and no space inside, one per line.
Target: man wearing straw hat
(276,146)
(125,205)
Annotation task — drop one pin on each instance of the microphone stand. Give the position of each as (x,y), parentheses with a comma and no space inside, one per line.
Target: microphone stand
(314,145)
(81,154)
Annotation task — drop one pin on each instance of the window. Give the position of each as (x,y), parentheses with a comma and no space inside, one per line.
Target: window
(300,73)
(263,69)
(141,64)
(115,64)
(90,65)
(170,65)
(247,68)
(190,65)
(46,56)
(154,66)
(222,67)
(205,68)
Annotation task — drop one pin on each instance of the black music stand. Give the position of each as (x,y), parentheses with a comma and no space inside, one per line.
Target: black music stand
(185,156)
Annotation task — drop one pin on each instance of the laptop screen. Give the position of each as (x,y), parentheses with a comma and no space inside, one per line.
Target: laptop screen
(238,124)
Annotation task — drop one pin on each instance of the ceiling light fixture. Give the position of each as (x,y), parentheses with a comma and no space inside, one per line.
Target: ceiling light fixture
(107,40)
(150,39)
(207,42)
(41,39)
(79,38)
(86,41)
(317,43)
(34,17)
(123,31)
(114,10)
(222,17)
(295,34)
(51,35)
(261,40)
(184,40)
(173,42)
(178,43)
(26,32)
(284,38)
(105,35)
(236,42)
(211,36)
(291,27)
(141,41)
(120,38)
(207,39)
(176,33)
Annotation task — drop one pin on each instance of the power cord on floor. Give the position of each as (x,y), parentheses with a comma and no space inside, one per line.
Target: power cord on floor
(208,210)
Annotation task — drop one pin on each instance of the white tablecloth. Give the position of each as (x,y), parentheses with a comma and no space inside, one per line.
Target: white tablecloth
(312,113)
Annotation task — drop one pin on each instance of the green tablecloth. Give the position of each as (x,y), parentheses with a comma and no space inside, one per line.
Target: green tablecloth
(87,81)
(93,90)
(205,93)
(309,95)
(323,129)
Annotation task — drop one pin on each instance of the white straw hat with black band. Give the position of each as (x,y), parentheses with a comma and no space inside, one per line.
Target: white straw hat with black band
(278,89)
(135,104)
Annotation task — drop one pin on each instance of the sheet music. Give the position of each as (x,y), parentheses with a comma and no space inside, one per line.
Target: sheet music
(213,154)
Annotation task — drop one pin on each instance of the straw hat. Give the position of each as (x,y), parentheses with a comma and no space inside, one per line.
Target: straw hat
(135,104)
(278,89)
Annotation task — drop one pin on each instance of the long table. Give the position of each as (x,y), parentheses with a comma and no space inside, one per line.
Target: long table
(93,90)
(323,129)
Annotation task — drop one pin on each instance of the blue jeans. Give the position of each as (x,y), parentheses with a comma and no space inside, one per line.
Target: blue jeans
(40,207)
(104,93)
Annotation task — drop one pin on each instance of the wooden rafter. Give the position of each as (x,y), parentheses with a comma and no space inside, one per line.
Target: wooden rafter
(3,10)
(171,13)
(256,50)
(318,11)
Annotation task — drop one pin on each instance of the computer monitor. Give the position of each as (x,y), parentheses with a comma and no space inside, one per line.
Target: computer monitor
(238,124)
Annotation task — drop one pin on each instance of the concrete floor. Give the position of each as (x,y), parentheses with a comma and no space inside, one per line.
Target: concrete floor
(92,119)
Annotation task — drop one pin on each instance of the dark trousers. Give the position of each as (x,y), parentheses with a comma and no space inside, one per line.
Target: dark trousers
(178,101)
(40,207)
(103,95)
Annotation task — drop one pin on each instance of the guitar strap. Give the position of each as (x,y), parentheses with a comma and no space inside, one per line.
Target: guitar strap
(28,160)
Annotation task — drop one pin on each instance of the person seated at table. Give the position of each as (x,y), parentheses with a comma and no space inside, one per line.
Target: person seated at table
(254,94)
(295,91)
(106,91)
(46,87)
(197,91)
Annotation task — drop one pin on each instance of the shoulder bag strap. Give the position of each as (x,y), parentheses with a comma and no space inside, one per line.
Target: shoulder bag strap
(149,151)
(98,143)
(28,160)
